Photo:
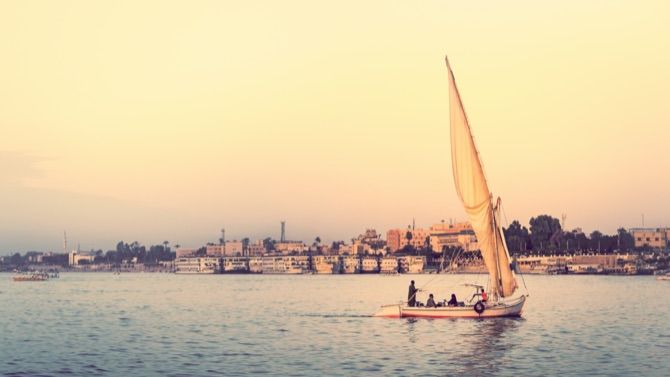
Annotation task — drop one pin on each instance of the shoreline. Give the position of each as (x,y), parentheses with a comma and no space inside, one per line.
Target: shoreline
(318,274)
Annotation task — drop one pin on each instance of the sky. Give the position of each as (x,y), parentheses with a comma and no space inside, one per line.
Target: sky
(161,120)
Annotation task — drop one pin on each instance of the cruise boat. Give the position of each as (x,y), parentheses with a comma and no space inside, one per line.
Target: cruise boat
(256,265)
(197,265)
(369,265)
(323,267)
(411,264)
(235,265)
(350,264)
(388,265)
(287,264)
(326,264)
(484,214)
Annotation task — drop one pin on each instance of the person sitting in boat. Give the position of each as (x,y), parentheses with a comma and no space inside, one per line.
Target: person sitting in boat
(431,302)
(485,297)
(411,295)
(453,301)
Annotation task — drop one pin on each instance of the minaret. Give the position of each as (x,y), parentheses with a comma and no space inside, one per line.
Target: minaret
(223,241)
(65,242)
(283,231)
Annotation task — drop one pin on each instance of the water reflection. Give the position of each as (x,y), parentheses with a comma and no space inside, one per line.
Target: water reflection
(411,330)
(483,351)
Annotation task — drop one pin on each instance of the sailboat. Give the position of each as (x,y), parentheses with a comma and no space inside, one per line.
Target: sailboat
(484,215)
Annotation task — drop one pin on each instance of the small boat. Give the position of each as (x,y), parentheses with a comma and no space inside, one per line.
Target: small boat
(484,215)
(35,276)
(508,308)
(663,277)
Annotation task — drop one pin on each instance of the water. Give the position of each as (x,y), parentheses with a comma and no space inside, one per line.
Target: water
(179,325)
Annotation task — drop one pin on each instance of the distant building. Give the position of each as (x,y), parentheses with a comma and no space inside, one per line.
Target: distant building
(370,238)
(229,249)
(256,249)
(185,252)
(288,247)
(453,235)
(74,258)
(651,237)
(35,257)
(396,239)
(360,248)
(345,250)
(393,239)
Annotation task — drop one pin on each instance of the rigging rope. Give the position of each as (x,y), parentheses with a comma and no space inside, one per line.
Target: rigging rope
(524,282)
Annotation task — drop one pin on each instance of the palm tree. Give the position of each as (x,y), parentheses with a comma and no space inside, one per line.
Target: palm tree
(409,236)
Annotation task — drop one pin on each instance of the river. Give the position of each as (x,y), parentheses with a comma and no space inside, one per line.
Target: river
(152,324)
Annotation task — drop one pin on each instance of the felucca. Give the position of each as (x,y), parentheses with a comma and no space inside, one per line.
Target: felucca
(484,215)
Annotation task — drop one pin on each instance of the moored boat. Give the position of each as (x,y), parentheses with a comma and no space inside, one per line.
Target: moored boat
(498,299)
(35,276)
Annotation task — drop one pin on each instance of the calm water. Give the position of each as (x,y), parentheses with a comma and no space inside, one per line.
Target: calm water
(162,324)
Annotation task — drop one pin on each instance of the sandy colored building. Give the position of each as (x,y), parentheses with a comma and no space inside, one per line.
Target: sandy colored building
(185,252)
(288,247)
(453,235)
(230,249)
(651,237)
(396,239)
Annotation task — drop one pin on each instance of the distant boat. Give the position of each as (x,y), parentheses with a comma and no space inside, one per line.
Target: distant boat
(663,277)
(33,276)
(484,215)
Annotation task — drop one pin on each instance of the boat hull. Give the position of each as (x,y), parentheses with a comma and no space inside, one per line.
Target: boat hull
(507,309)
(30,278)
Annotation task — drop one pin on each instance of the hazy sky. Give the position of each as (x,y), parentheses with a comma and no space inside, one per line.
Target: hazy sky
(154,121)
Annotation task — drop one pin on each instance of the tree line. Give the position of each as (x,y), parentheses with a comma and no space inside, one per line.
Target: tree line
(124,253)
(546,236)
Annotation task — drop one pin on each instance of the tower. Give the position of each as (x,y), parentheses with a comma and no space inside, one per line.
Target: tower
(283,231)
(223,241)
(65,242)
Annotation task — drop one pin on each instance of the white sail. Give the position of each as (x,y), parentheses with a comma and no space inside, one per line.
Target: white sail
(473,190)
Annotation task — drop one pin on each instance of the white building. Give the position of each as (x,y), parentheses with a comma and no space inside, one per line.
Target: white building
(74,258)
